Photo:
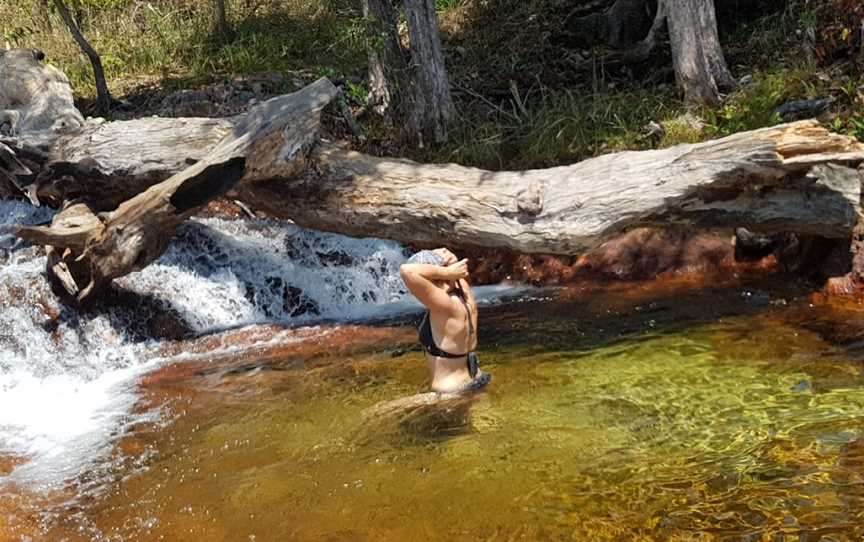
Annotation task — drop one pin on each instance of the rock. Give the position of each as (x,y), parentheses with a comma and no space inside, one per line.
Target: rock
(841,286)
(35,97)
(298,303)
(753,245)
(187,103)
(654,130)
(802,109)
(337,258)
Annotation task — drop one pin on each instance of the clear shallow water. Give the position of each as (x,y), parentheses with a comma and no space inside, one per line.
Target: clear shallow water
(632,423)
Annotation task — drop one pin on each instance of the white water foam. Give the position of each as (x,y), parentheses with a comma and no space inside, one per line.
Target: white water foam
(67,379)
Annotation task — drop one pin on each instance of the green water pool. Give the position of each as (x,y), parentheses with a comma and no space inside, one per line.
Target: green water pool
(695,418)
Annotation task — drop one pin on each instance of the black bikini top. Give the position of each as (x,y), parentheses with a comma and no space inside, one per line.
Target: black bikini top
(428,341)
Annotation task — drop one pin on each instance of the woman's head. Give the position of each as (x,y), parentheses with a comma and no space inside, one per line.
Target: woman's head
(428,257)
(432,257)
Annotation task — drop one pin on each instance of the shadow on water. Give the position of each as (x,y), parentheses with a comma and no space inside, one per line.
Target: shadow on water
(589,316)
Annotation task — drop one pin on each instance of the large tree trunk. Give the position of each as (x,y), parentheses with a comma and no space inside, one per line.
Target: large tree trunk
(413,94)
(433,105)
(103,100)
(389,74)
(700,68)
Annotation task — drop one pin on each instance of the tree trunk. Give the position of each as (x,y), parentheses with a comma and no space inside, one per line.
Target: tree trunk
(104,100)
(714,58)
(220,19)
(433,106)
(700,68)
(389,74)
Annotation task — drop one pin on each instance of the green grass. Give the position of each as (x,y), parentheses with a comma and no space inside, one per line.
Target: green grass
(556,129)
(538,109)
(174,40)
(560,128)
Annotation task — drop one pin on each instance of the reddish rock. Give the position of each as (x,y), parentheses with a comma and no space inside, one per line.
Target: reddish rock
(222,208)
(9,462)
(842,286)
(640,254)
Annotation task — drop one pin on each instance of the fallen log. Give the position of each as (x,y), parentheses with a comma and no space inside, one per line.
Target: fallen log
(87,251)
(793,178)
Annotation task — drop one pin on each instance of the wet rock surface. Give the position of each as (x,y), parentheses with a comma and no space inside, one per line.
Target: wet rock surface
(640,254)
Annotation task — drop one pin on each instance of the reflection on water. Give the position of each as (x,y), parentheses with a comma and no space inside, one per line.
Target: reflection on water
(747,427)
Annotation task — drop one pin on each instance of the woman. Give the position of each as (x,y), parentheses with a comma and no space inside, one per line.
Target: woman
(448,332)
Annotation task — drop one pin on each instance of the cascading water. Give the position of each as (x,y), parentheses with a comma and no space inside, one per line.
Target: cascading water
(67,378)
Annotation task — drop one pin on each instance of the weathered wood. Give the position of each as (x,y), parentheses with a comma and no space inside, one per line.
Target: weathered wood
(700,67)
(389,74)
(762,180)
(35,98)
(108,163)
(69,228)
(271,140)
(432,107)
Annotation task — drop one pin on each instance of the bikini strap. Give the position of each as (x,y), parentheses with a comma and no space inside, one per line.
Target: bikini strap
(468,310)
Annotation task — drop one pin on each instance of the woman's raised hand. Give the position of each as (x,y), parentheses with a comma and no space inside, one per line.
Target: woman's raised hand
(458,270)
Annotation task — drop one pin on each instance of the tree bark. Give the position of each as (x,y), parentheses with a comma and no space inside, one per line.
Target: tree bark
(775,179)
(433,105)
(700,68)
(414,95)
(87,252)
(389,74)
(103,100)
(714,58)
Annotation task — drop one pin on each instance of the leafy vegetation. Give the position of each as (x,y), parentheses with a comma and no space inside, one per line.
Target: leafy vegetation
(527,96)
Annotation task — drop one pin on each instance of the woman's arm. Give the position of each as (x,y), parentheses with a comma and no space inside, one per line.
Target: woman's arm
(419,280)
